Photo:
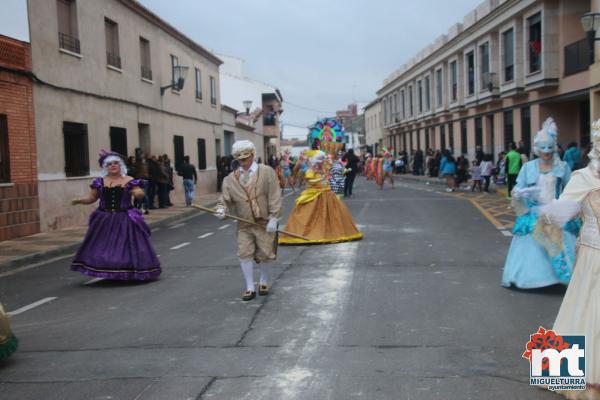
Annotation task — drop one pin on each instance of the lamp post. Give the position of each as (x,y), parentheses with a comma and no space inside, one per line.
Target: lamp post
(247,106)
(591,23)
(179,74)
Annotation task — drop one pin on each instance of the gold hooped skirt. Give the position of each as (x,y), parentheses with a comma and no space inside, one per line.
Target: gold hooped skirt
(323,219)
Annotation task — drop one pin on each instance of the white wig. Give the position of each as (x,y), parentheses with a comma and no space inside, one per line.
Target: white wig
(243,149)
(110,159)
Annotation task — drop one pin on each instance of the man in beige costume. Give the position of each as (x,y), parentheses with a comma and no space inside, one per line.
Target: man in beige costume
(252,192)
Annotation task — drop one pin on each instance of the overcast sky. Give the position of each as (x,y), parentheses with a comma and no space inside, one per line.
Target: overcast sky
(321,54)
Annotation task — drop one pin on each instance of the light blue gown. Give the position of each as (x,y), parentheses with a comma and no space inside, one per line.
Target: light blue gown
(528,265)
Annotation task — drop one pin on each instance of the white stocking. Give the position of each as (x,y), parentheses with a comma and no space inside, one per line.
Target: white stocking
(247,269)
(264,273)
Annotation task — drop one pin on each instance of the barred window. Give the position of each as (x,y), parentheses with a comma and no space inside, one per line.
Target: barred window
(68,36)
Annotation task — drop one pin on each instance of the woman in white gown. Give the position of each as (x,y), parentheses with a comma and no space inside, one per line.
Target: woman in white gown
(580,310)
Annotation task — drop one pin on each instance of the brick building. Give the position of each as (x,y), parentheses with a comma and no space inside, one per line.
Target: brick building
(19,206)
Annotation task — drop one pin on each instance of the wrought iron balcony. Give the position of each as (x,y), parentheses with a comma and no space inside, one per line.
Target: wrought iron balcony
(113,60)
(488,81)
(68,42)
(146,72)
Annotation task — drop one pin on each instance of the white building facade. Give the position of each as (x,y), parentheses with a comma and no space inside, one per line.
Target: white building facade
(100,67)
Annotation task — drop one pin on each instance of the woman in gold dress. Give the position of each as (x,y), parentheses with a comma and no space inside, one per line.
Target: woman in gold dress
(319,215)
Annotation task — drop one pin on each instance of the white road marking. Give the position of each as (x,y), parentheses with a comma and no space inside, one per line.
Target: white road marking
(224,227)
(506,233)
(32,305)
(92,281)
(179,246)
(206,235)
(177,225)
(155,229)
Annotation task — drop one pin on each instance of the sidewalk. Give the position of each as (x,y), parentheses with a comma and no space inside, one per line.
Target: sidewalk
(44,246)
(499,190)
(494,205)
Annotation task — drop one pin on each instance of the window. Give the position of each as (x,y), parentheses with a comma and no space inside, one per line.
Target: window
(454,81)
(118,140)
(578,57)
(534,25)
(508,61)
(76,149)
(427,133)
(178,150)
(470,73)
(174,63)
(201,154)
(438,88)
(198,84)
(484,67)
(418,139)
(4,153)
(508,128)
(403,105)
(385,112)
(478,131)
(395,107)
(420,95)
(213,91)
(410,100)
(464,148)
(111,31)
(68,37)
(451,136)
(526,128)
(427,94)
(146,66)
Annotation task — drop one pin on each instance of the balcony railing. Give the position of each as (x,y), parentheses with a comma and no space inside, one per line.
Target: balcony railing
(146,72)
(68,42)
(113,60)
(270,119)
(488,81)
(578,57)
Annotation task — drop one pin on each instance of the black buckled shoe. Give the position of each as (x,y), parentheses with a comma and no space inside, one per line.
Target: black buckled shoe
(263,289)
(248,295)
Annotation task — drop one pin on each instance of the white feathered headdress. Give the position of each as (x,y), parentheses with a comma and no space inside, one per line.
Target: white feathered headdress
(545,139)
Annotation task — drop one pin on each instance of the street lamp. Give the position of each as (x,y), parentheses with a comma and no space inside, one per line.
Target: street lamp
(591,23)
(247,106)
(179,74)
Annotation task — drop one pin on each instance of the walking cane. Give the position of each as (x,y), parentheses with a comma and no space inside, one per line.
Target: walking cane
(212,211)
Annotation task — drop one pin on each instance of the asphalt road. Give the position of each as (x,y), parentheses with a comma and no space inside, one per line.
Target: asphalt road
(413,311)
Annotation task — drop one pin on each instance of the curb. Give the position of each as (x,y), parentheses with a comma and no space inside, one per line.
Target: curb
(72,247)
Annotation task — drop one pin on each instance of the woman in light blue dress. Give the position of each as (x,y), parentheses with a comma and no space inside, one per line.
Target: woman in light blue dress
(533,261)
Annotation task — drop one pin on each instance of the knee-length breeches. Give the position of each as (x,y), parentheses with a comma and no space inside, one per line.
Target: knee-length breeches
(256,243)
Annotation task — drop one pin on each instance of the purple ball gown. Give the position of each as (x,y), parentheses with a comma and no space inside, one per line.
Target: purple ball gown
(117,244)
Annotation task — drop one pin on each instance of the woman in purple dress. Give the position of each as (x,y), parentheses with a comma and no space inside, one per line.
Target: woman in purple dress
(117,244)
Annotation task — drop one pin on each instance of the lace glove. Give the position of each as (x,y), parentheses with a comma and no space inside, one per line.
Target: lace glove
(220,212)
(272,225)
